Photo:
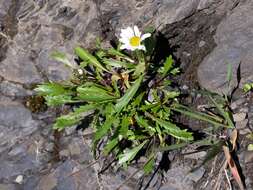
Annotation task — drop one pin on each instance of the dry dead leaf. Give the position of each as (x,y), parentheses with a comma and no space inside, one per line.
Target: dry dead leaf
(231,163)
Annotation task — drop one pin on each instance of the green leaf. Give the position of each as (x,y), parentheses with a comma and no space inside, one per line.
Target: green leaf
(167,65)
(123,101)
(224,113)
(93,94)
(124,125)
(130,153)
(118,64)
(172,129)
(86,56)
(61,57)
(52,89)
(149,165)
(216,121)
(110,145)
(59,100)
(250,147)
(118,54)
(74,117)
(171,94)
(247,87)
(144,123)
(102,130)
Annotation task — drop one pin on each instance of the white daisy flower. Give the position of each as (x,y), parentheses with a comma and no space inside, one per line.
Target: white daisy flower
(131,38)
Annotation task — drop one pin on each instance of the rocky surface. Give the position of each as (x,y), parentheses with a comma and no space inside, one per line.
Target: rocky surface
(32,156)
(234,46)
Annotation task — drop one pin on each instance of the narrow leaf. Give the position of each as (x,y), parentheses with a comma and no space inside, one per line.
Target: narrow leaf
(102,130)
(149,165)
(59,100)
(74,117)
(123,101)
(93,94)
(51,89)
(86,56)
(130,154)
(172,129)
(61,57)
(223,113)
(167,65)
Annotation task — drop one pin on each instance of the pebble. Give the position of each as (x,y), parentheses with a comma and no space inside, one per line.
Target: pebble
(248,156)
(197,175)
(245,131)
(19,179)
(202,43)
(64,153)
(241,124)
(239,116)
(237,103)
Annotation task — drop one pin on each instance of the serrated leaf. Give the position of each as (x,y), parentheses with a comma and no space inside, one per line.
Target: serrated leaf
(123,101)
(144,123)
(124,126)
(52,89)
(102,130)
(86,56)
(171,94)
(93,94)
(110,145)
(172,129)
(61,57)
(74,117)
(167,66)
(130,153)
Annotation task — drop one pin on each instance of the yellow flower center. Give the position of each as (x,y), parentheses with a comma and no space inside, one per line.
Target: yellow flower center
(135,41)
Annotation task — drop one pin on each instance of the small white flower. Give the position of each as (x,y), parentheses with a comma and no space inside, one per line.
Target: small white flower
(131,38)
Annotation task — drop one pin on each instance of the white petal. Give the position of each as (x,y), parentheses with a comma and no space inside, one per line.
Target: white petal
(124,40)
(122,46)
(142,47)
(129,32)
(124,34)
(137,31)
(125,46)
(144,36)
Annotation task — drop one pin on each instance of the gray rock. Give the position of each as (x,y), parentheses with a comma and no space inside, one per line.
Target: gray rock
(239,116)
(16,123)
(242,124)
(196,175)
(13,90)
(41,27)
(176,178)
(234,45)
